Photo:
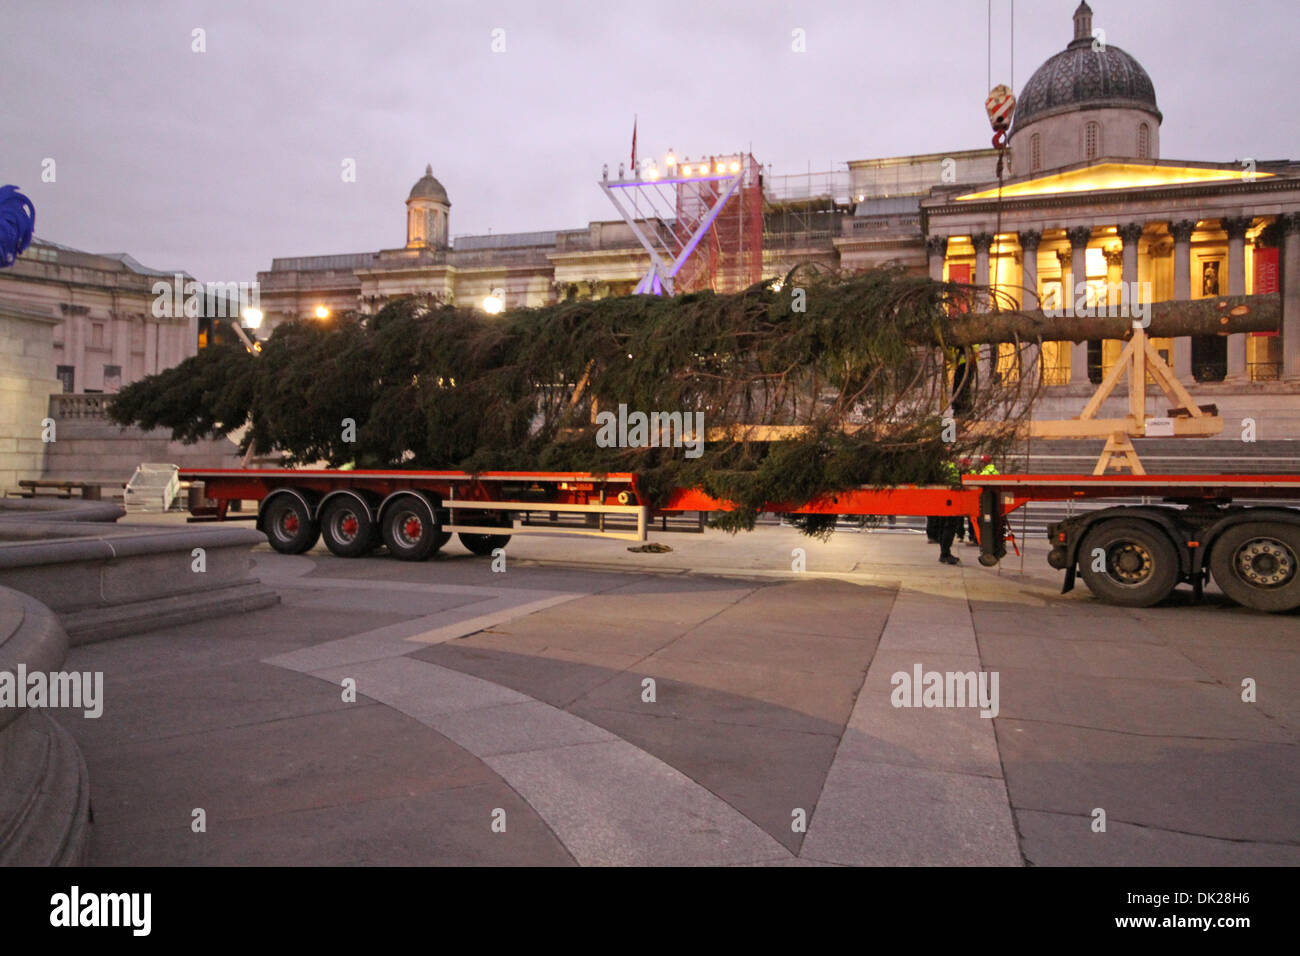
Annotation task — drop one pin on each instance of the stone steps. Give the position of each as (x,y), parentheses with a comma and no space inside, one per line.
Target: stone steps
(44,785)
(44,795)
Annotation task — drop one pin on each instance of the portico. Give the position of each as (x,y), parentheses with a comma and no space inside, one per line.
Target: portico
(1182,231)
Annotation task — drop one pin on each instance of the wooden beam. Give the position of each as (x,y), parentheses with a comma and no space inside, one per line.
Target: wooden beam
(1220,315)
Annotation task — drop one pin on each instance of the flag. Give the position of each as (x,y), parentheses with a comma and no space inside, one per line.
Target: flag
(634,144)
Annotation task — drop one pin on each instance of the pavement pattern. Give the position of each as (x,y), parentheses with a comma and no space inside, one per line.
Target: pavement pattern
(707,706)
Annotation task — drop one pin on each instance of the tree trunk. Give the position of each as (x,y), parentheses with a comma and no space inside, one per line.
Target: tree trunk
(1218,315)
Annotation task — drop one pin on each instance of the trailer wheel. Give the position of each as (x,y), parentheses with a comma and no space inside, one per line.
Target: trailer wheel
(1140,563)
(1257,564)
(348,529)
(485,544)
(410,530)
(288,525)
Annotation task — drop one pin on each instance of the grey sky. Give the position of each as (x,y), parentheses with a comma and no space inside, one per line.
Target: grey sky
(217,162)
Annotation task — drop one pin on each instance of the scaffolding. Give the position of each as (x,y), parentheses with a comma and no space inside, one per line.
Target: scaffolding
(804,209)
(701,221)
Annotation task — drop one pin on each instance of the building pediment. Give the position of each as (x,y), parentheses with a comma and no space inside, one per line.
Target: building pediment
(1111,175)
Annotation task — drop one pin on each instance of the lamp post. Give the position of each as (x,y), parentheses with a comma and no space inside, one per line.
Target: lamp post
(250,318)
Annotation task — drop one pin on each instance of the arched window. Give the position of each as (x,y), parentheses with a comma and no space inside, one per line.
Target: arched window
(1144,141)
(1035,153)
(1091,141)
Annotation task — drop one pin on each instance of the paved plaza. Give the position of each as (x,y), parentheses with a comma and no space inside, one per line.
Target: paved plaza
(710,705)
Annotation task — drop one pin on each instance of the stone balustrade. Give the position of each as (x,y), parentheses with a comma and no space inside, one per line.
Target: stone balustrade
(79,406)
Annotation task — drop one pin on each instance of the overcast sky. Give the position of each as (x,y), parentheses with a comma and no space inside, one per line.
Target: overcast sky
(216,162)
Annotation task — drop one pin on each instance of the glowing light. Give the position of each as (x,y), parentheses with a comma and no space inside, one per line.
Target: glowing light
(322,312)
(654,172)
(1116,176)
(670,160)
(722,168)
(252,318)
(493,304)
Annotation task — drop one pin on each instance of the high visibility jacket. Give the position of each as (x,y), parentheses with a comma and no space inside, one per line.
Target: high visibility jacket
(988,469)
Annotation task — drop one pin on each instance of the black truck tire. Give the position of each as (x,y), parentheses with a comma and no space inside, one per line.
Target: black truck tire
(411,530)
(485,544)
(1140,567)
(1257,564)
(348,529)
(288,525)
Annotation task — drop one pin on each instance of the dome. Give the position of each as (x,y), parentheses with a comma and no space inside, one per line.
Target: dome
(426,187)
(1080,77)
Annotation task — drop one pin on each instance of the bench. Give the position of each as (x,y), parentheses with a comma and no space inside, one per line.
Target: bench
(89,490)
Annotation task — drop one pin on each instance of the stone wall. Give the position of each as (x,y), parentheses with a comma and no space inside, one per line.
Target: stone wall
(26,381)
(92,448)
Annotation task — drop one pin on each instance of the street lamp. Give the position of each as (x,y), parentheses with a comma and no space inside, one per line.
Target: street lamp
(495,302)
(252,318)
(322,312)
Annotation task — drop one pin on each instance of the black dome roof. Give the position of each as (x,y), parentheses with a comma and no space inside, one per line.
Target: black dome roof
(427,187)
(1080,76)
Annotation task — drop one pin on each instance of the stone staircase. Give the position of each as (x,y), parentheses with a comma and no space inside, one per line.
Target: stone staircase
(44,785)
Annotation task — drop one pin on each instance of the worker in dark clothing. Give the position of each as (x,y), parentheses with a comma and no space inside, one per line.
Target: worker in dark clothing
(963,383)
(949,524)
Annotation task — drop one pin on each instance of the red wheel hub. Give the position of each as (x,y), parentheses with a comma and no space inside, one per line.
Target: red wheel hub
(413,528)
(290,523)
(350,525)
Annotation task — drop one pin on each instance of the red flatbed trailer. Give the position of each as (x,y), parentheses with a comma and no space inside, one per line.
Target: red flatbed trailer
(1128,554)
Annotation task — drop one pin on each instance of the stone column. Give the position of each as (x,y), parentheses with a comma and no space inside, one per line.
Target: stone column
(1030,358)
(983,241)
(936,250)
(1236,228)
(150,346)
(1182,232)
(1079,237)
(1129,234)
(73,352)
(1291,298)
(121,332)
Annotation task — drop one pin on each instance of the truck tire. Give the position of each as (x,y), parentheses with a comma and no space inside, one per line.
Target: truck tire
(288,525)
(348,529)
(1141,563)
(485,544)
(1257,564)
(410,529)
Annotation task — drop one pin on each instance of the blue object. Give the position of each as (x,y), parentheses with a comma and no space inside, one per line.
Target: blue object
(17,222)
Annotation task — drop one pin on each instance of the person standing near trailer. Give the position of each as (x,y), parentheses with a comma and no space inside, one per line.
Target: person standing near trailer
(949,524)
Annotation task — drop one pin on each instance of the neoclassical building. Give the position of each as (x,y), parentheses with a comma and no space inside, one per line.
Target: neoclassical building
(107,330)
(1086,199)
(1091,204)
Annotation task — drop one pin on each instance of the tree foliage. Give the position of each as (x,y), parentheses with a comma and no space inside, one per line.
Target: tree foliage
(451,388)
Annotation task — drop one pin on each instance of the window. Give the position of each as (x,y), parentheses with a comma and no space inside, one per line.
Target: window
(1095,364)
(1091,141)
(97,335)
(1209,358)
(1144,141)
(1035,152)
(68,377)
